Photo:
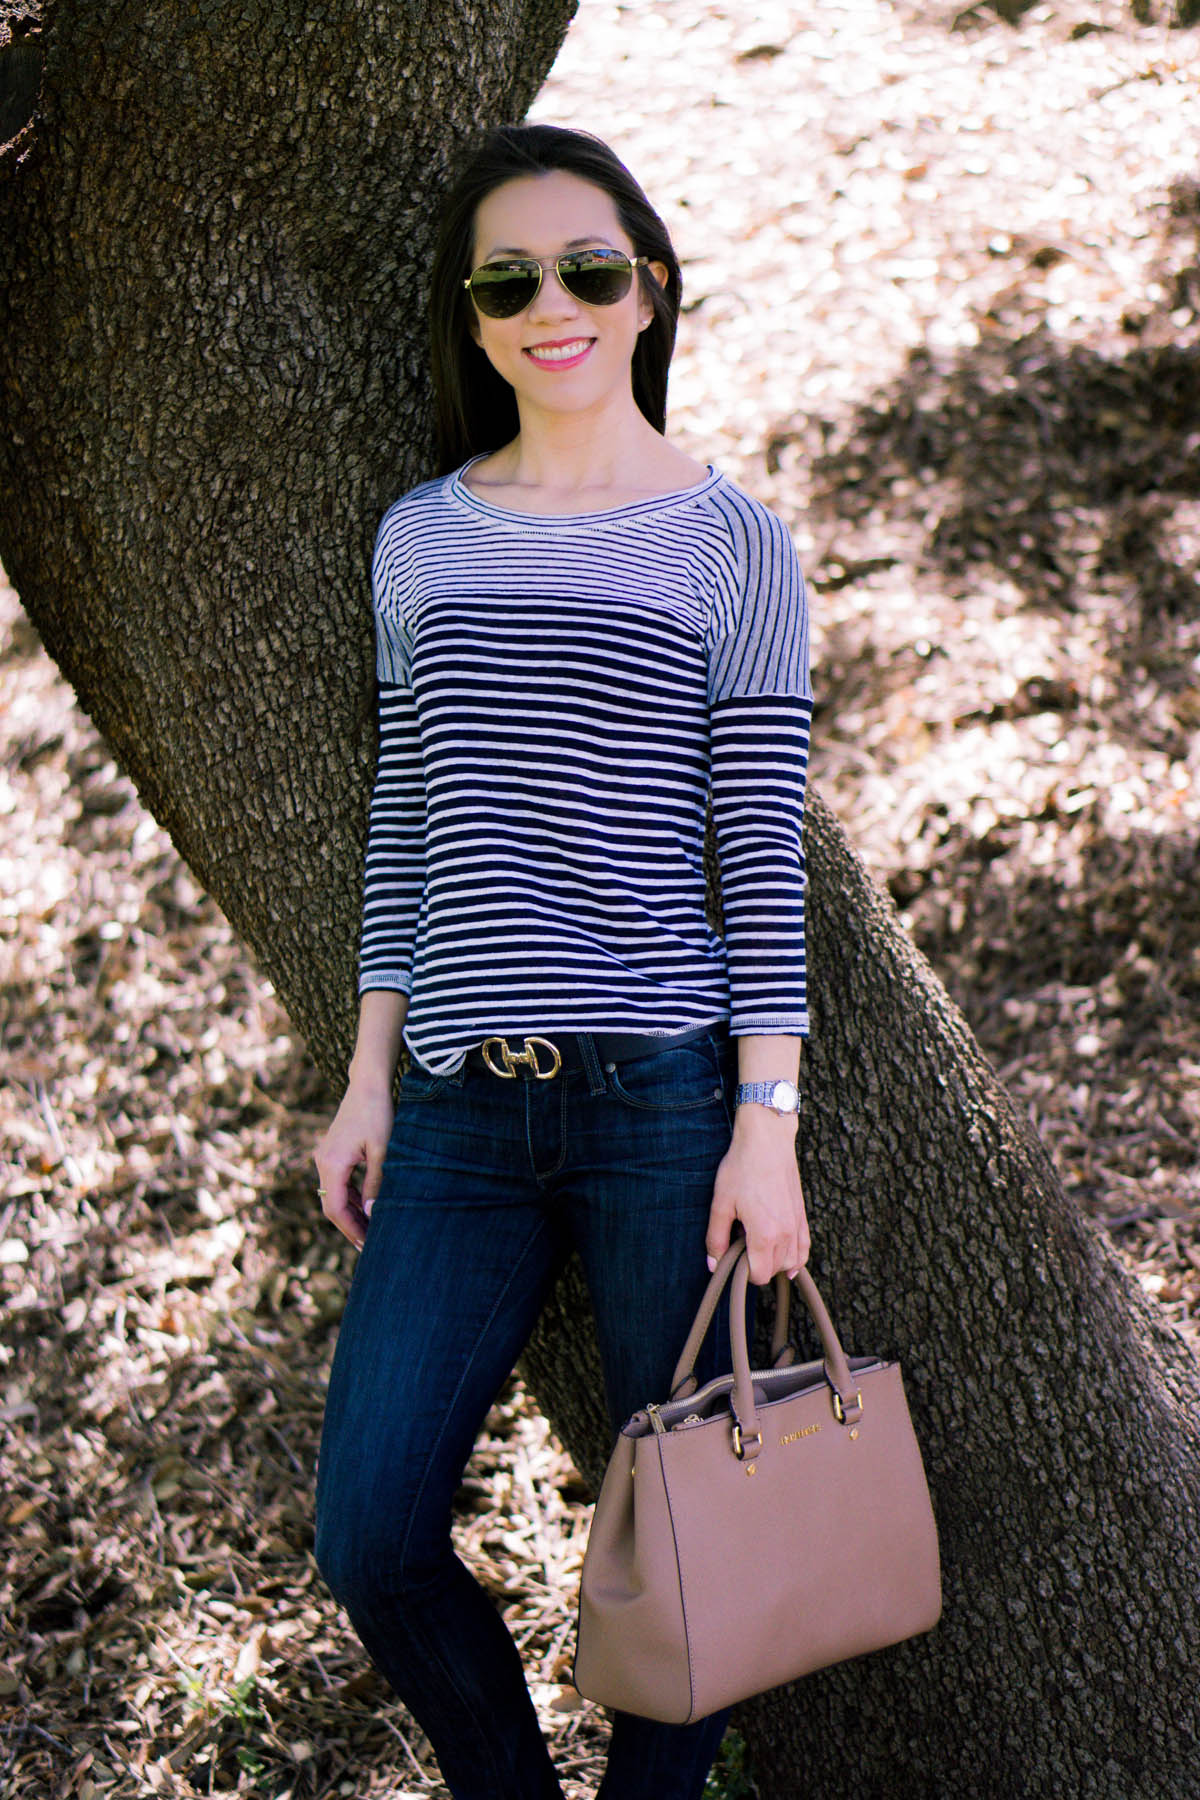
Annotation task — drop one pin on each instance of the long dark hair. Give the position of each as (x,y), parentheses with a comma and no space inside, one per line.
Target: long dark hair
(475,409)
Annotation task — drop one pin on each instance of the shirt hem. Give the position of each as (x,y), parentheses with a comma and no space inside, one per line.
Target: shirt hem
(460,1051)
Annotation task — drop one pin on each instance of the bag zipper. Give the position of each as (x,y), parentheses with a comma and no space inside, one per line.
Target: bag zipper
(662,1415)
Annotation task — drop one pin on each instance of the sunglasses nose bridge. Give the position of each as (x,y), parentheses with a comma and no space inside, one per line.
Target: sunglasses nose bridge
(552,293)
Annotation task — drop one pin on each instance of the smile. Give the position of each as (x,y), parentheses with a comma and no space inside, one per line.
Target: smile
(562,355)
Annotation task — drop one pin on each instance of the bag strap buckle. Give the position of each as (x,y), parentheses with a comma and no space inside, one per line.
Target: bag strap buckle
(744,1447)
(847,1414)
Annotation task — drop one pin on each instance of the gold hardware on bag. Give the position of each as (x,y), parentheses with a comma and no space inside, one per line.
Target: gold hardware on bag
(656,1420)
(743,1447)
(694,1532)
(791,1437)
(513,1059)
(839,1411)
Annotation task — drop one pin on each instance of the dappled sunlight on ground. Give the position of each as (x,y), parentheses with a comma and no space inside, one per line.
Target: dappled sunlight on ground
(942,312)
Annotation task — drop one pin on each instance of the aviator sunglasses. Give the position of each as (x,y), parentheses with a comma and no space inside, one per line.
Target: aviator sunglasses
(503,288)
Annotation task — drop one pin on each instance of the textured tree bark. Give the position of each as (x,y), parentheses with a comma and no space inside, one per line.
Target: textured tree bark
(213,249)
(214,237)
(1058,1412)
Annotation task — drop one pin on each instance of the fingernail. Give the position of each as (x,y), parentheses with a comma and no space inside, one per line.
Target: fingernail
(712,1265)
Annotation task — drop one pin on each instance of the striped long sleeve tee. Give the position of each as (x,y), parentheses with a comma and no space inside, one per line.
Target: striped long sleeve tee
(558,698)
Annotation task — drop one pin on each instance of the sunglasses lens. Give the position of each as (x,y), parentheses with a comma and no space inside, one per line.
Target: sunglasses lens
(502,289)
(593,277)
(596,277)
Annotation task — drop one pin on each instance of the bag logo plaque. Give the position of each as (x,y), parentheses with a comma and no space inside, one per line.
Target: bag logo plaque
(804,1431)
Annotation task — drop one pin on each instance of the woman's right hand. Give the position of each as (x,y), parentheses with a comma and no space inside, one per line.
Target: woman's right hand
(357,1139)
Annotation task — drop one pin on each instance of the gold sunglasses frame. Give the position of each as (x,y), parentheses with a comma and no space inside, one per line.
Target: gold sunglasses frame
(552,262)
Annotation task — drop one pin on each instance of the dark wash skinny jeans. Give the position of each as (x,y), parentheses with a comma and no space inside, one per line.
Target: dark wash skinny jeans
(487,1187)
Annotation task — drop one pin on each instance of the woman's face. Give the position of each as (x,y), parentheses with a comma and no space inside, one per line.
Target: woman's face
(559,354)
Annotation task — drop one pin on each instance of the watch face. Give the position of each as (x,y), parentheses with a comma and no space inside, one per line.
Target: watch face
(785,1096)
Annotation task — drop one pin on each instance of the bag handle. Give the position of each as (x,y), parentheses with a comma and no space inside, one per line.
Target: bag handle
(847,1404)
(683,1382)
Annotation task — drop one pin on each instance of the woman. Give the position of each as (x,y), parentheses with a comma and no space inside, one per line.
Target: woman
(578,626)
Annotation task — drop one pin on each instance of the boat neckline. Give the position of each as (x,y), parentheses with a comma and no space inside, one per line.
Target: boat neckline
(458,490)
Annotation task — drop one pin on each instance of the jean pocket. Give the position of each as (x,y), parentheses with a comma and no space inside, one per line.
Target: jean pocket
(420,1083)
(682,1079)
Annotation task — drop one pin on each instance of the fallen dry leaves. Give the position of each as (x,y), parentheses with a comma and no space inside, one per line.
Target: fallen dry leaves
(941,311)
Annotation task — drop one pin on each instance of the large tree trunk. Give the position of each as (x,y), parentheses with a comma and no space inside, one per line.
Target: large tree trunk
(215,240)
(215,237)
(1058,1411)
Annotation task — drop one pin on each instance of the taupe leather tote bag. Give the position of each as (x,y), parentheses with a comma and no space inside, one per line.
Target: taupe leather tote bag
(751,1530)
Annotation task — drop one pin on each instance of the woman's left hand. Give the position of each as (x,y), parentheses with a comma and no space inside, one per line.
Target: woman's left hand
(758,1182)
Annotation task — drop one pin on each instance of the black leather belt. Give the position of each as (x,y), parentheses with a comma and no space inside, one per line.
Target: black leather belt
(540,1058)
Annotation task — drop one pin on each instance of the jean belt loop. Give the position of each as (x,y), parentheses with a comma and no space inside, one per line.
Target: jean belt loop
(591,1063)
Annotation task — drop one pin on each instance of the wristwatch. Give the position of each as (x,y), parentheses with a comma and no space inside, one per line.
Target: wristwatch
(782,1096)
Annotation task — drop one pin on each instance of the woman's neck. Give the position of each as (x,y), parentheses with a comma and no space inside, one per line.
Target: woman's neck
(575,463)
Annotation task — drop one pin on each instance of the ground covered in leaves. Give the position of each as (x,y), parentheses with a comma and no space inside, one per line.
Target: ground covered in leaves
(942,311)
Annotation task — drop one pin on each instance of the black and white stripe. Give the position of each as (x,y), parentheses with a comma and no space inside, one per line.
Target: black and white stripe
(556,696)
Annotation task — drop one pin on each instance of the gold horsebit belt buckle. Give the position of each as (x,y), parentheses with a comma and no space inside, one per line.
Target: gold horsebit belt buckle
(528,1056)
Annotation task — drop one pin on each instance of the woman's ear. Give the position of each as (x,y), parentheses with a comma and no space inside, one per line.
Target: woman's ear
(659,272)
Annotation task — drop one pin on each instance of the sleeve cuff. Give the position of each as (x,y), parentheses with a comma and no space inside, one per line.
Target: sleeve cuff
(400,982)
(769,1025)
